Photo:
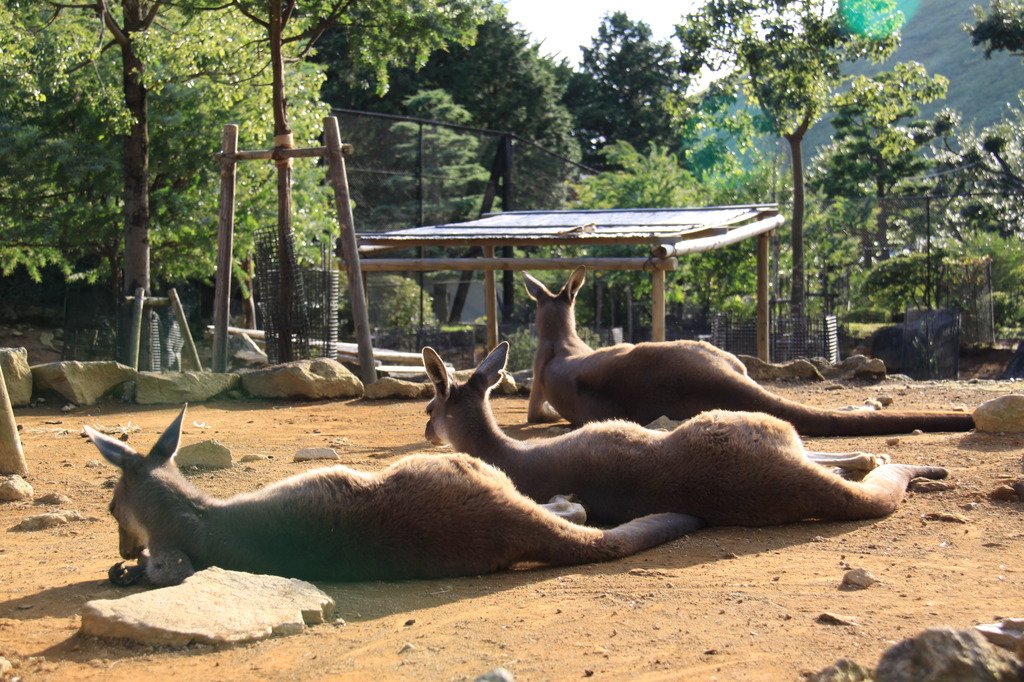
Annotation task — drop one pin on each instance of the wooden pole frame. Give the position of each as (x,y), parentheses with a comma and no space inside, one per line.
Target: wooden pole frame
(334,151)
(12,456)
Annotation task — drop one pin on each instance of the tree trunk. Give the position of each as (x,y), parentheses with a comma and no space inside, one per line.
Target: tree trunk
(282,140)
(798,287)
(136,159)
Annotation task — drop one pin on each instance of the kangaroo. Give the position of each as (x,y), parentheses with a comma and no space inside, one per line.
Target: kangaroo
(423,517)
(676,379)
(728,468)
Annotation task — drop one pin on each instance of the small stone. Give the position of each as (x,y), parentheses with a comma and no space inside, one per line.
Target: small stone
(1002,414)
(311,454)
(843,670)
(208,454)
(496,675)
(49,520)
(892,442)
(252,457)
(1003,493)
(55,499)
(14,488)
(5,666)
(859,577)
(833,619)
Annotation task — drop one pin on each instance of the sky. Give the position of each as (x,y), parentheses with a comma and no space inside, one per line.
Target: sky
(562,26)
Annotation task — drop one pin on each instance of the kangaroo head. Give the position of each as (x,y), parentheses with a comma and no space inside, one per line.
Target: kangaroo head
(138,491)
(556,313)
(455,405)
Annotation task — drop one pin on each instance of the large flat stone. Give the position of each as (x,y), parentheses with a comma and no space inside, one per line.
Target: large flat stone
(82,383)
(153,388)
(213,606)
(17,375)
(317,379)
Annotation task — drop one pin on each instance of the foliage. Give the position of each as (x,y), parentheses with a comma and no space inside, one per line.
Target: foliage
(500,79)
(1000,28)
(785,56)
(878,141)
(623,90)
(903,281)
(393,302)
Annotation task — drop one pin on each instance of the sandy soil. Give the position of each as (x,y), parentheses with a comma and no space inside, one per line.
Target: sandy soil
(724,603)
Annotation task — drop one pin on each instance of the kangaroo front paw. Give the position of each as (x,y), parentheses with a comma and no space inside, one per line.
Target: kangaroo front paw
(123,574)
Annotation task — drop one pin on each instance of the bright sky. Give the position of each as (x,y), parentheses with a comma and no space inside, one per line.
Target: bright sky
(562,26)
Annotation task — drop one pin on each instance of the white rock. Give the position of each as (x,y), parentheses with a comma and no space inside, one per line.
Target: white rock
(14,488)
(213,606)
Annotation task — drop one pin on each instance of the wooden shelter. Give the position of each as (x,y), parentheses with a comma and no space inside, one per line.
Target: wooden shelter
(665,233)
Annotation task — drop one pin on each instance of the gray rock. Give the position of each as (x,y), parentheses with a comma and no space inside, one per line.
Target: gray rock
(244,352)
(209,454)
(317,379)
(311,454)
(1002,414)
(758,370)
(54,499)
(253,457)
(153,388)
(49,520)
(843,670)
(14,488)
(947,655)
(859,577)
(17,375)
(390,387)
(83,383)
(496,675)
(213,606)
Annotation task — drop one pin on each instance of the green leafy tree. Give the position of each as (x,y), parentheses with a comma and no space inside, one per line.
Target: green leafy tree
(998,28)
(785,56)
(623,90)
(878,144)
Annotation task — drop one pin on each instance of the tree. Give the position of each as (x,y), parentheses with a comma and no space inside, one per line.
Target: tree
(878,142)
(623,89)
(1000,28)
(785,57)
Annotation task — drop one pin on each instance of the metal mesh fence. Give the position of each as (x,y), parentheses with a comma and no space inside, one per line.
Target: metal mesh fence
(408,172)
(298,305)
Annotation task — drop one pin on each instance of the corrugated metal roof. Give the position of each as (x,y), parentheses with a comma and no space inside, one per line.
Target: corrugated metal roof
(623,226)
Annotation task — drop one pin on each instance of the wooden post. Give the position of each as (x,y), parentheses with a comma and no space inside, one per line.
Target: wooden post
(12,457)
(186,335)
(763,319)
(136,333)
(225,247)
(657,305)
(491,302)
(350,249)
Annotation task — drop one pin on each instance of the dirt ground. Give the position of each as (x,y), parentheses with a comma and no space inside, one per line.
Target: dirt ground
(724,603)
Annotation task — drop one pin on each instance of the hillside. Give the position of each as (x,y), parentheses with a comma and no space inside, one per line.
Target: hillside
(979,88)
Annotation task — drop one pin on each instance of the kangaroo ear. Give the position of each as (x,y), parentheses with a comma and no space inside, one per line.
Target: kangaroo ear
(575,282)
(437,372)
(534,289)
(490,368)
(167,444)
(113,450)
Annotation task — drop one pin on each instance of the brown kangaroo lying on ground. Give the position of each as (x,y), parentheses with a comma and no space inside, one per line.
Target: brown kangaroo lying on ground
(423,517)
(676,379)
(728,468)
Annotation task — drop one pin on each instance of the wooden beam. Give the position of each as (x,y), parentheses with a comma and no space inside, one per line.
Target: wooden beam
(12,456)
(190,345)
(736,234)
(225,248)
(658,305)
(491,302)
(763,311)
(441,264)
(349,250)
